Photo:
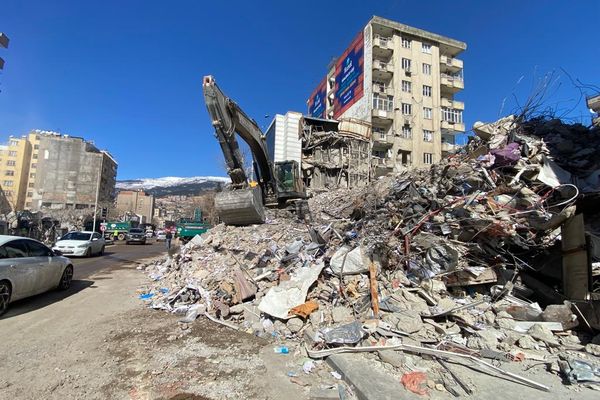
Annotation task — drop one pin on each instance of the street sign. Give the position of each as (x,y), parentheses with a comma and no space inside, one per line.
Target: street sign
(102,228)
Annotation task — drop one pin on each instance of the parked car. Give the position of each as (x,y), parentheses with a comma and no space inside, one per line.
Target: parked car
(161,236)
(84,243)
(135,235)
(28,267)
(149,234)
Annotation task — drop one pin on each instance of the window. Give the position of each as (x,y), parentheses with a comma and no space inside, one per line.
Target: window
(28,204)
(385,103)
(35,156)
(406,64)
(427,91)
(8,193)
(406,43)
(427,113)
(380,85)
(7,183)
(426,48)
(452,115)
(15,249)
(31,184)
(405,157)
(37,249)
(32,175)
(11,163)
(36,146)
(34,165)
(29,194)
(14,143)
(9,173)
(12,153)
(406,86)
(406,132)
(96,236)
(427,158)
(379,133)
(426,69)
(406,109)
(427,135)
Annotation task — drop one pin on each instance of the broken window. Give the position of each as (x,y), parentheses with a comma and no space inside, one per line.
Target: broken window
(404,157)
(427,135)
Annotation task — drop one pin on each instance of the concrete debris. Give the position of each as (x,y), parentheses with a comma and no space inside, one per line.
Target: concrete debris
(464,257)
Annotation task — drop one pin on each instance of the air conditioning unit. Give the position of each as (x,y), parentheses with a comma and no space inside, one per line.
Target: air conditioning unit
(407,72)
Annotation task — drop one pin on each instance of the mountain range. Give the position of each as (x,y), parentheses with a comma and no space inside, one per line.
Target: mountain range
(172,185)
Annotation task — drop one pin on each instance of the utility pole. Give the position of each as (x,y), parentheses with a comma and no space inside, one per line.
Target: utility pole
(97,195)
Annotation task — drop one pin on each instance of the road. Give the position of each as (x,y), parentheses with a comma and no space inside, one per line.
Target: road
(98,340)
(118,254)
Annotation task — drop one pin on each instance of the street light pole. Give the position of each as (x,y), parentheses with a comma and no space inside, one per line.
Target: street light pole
(97,195)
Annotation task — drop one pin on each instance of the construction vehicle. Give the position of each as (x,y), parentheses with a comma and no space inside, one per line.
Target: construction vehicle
(187,228)
(121,228)
(276,184)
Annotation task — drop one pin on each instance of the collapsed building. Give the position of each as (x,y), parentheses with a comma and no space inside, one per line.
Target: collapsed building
(491,254)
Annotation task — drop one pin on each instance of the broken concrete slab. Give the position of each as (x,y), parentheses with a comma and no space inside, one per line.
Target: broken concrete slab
(368,383)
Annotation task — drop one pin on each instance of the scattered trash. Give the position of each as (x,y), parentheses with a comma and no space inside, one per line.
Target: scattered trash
(415,382)
(281,350)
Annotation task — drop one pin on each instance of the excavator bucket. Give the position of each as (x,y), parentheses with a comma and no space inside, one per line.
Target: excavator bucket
(240,207)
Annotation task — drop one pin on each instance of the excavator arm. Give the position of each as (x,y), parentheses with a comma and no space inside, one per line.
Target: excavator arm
(229,119)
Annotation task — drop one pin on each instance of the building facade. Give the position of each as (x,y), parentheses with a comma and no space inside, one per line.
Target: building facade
(136,202)
(283,137)
(49,170)
(403,81)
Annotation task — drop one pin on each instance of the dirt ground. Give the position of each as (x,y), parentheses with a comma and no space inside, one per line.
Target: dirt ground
(98,341)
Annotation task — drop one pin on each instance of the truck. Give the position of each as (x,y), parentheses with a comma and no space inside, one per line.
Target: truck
(187,228)
(277,184)
(109,228)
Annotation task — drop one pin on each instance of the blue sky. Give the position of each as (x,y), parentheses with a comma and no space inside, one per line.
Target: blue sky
(127,74)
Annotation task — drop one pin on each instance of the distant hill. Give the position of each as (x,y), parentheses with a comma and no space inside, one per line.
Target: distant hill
(171,185)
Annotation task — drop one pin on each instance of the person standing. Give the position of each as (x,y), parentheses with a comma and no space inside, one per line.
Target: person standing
(168,238)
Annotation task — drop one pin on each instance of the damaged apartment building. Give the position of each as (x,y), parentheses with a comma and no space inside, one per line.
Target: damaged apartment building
(331,153)
(402,81)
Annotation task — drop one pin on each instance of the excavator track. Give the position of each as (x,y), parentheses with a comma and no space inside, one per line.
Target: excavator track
(240,206)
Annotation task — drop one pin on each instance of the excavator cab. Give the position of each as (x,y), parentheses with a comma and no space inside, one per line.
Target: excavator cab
(289,182)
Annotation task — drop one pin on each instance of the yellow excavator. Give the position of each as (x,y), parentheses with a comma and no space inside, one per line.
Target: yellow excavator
(276,184)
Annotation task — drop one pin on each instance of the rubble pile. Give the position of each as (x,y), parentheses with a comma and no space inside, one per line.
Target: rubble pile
(443,262)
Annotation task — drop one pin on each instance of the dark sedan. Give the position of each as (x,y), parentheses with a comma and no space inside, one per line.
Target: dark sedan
(136,235)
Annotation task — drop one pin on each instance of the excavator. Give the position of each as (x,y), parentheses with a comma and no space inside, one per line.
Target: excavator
(276,184)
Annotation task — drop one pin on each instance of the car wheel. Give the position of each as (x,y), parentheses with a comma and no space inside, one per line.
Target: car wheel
(5,292)
(102,251)
(88,252)
(66,278)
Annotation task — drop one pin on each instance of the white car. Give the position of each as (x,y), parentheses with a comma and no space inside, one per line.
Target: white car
(161,236)
(83,243)
(28,267)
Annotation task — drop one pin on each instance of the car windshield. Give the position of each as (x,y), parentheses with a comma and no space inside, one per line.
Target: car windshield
(135,231)
(77,236)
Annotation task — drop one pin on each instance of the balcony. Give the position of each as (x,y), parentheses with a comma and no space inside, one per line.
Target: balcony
(383,166)
(449,147)
(448,103)
(383,138)
(451,64)
(382,88)
(452,83)
(453,126)
(383,66)
(383,115)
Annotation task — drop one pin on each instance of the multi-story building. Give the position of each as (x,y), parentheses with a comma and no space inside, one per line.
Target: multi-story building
(283,137)
(49,170)
(137,202)
(403,81)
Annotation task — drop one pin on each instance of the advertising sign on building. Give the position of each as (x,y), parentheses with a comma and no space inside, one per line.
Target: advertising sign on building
(349,76)
(316,102)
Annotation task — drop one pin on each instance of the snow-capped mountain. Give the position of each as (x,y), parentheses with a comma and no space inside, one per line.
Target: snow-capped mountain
(172,185)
